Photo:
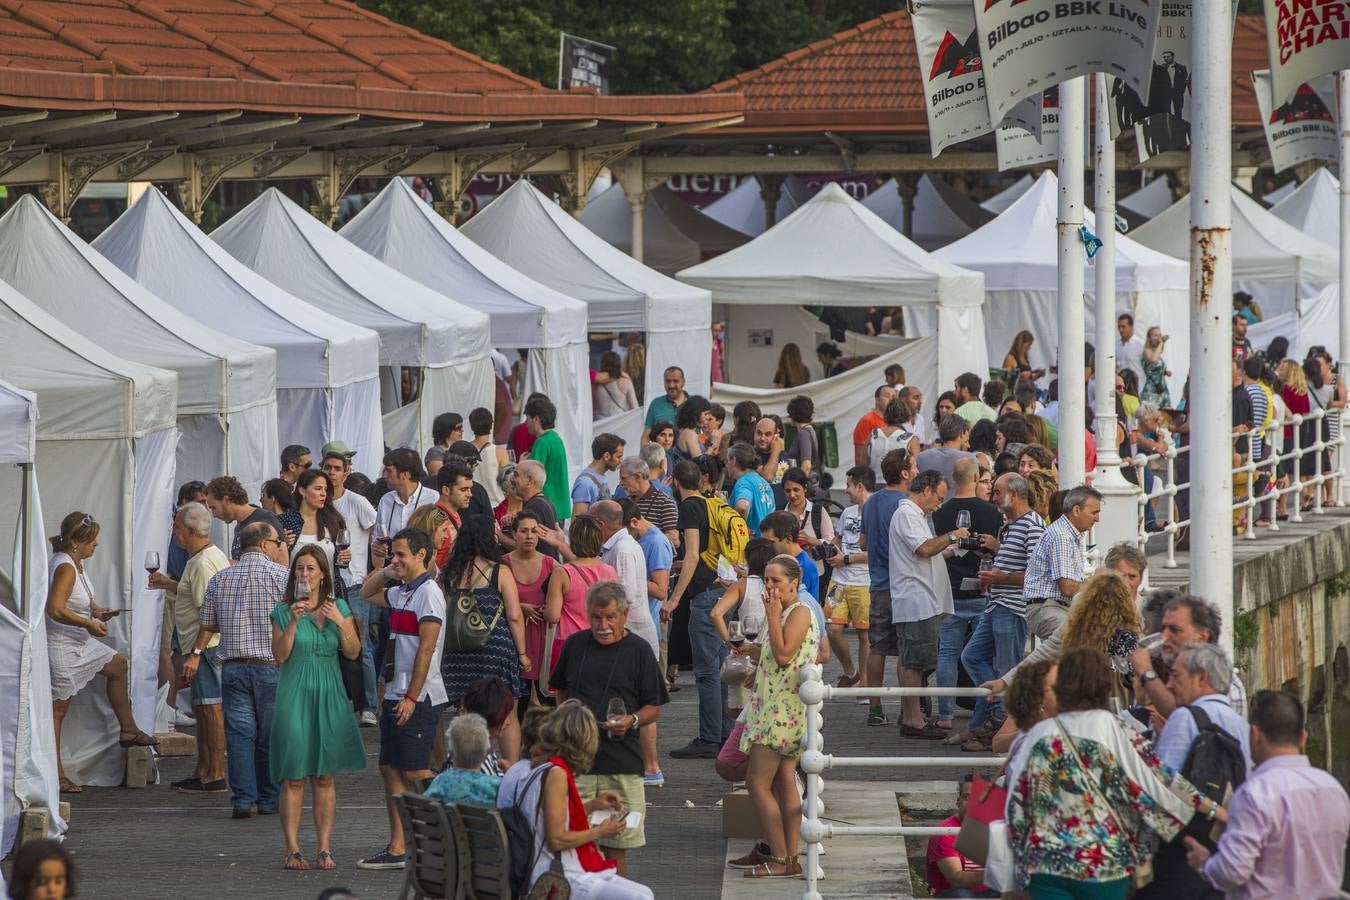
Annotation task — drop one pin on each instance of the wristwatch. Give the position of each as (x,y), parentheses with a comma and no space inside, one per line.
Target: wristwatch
(951,537)
(196,651)
(1148,675)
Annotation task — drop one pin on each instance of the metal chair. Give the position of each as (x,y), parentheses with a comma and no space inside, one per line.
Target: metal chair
(438,855)
(489,869)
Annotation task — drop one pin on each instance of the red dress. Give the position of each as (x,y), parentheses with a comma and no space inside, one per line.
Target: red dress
(533,594)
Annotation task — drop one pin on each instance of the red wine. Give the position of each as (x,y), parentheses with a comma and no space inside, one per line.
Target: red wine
(736,642)
(340,548)
(152,571)
(750,636)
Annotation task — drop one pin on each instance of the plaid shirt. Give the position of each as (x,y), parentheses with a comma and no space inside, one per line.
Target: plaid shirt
(238,603)
(1059,554)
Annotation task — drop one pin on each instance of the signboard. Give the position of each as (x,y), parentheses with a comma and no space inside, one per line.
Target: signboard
(1305,40)
(1029,46)
(1303,128)
(1018,147)
(583,63)
(953,75)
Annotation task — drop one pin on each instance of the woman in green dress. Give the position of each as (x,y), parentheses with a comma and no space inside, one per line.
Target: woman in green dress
(314,733)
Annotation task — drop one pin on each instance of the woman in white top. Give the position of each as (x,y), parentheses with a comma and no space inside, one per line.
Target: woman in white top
(614,393)
(74,618)
(321,520)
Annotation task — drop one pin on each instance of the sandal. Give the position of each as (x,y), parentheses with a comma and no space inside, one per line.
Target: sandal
(325,859)
(762,870)
(70,787)
(296,863)
(137,739)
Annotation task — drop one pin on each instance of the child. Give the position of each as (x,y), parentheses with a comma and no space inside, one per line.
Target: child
(42,870)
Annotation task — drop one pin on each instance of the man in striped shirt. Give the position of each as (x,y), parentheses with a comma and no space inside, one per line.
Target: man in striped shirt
(1001,632)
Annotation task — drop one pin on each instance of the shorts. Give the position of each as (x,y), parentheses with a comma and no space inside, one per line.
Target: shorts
(407,747)
(919,642)
(880,631)
(730,754)
(205,689)
(854,606)
(634,799)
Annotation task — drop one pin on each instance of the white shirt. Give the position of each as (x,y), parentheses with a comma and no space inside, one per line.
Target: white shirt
(1130,355)
(920,588)
(360,518)
(850,532)
(407,611)
(392,515)
(625,555)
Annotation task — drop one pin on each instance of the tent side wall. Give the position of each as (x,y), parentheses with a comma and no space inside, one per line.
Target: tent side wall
(561,373)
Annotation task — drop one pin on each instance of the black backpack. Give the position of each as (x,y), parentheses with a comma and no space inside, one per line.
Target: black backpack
(1214,764)
(520,837)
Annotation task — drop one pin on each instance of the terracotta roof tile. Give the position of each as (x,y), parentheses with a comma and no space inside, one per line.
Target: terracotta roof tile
(867,78)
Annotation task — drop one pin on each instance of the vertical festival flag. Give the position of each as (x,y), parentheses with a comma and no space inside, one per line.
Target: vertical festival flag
(1028,46)
(1305,39)
(1302,128)
(1019,148)
(949,58)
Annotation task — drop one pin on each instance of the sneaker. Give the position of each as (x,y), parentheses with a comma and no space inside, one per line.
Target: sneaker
(369,719)
(242,812)
(382,860)
(847,681)
(697,749)
(267,810)
(758,854)
(219,786)
(191,783)
(654,779)
(182,719)
(874,718)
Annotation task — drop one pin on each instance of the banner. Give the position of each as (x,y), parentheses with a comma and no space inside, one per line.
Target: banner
(583,63)
(1028,46)
(1164,122)
(1305,40)
(949,60)
(1018,148)
(1304,127)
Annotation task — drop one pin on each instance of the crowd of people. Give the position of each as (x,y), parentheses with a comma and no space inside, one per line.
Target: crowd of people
(494,617)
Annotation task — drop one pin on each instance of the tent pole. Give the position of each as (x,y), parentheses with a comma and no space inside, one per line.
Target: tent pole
(1120,507)
(1211,490)
(1343,90)
(1072,386)
(25,538)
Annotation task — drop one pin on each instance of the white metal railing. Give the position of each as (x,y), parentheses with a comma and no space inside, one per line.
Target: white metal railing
(1246,499)
(814,692)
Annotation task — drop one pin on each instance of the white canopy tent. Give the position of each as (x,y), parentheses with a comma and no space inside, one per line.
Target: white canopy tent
(1017,252)
(405,233)
(528,231)
(833,251)
(675,235)
(27,749)
(1149,200)
(1319,324)
(327,369)
(227,392)
(446,342)
(105,445)
(742,207)
(942,214)
(1008,196)
(1314,208)
(1272,260)
(1280,192)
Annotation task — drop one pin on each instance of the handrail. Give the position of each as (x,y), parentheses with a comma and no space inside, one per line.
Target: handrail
(814,692)
(1248,500)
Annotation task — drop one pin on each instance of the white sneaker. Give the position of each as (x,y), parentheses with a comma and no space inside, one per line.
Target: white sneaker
(183,719)
(368,719)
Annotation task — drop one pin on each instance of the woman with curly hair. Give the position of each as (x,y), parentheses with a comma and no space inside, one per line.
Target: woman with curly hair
(1041,486)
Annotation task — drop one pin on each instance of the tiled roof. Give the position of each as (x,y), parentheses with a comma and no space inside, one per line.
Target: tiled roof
(867,79)
(293,55)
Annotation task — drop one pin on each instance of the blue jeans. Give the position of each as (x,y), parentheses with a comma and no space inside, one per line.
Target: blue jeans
(250,696)
(363,612)
(951,637)
(996,646)
(709,651)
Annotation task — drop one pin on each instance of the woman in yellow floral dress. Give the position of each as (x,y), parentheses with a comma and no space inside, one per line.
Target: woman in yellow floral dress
(776,722)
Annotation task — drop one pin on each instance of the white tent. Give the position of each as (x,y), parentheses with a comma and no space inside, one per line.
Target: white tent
(1149,200)
(1314,208)
(401,231)
(1272,260)
(105,445)
(446,342)
(1281,192)
(1017,252)
(530,232)
(1008,196)
(675,235)
(327,369)
(742,207)
(941,212)
(227,407)
(834,251)
(1318,324)
(27,749)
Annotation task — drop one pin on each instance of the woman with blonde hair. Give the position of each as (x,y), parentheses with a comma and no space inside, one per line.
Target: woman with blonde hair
(1297,402)
(1041,486)
(792,372)
(564,837)
(73,619)
(1154,388)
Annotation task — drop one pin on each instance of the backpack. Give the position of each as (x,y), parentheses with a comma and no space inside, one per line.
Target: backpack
(1214,765)
(728,533)
(520,837)
(466,629)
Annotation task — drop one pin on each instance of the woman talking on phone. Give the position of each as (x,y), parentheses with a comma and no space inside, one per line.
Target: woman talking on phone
(74,618)
(313,732)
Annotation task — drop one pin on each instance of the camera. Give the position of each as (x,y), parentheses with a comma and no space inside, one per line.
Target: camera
(823,551)
(970,543)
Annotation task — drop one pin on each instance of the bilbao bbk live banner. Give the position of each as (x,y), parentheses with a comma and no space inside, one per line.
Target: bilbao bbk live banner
(1302,128)
(949,56)
(1029,46)
(1019,148)
(1306,39)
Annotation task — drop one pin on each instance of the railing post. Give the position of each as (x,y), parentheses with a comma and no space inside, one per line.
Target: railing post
(812,692)
(1318,446)
(1173,525)
(1296,485)
(1250,532)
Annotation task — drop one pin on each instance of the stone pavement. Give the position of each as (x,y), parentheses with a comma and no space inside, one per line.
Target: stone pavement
(155,843)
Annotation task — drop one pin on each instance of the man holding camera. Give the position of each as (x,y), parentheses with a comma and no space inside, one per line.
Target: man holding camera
(981,518)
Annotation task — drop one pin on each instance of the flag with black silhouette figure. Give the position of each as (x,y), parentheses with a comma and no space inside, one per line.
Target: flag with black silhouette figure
(1303,128)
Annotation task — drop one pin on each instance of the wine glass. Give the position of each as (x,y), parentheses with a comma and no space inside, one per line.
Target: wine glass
(963,519)
(736,633)
(614,714)
(341,541)
(152,561)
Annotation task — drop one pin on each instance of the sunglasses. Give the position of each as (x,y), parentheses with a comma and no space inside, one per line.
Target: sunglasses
(87,520)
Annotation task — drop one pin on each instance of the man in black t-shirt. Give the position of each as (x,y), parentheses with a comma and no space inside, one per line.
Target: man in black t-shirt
(228,502)
(601,666)
(529,485)
(984,519)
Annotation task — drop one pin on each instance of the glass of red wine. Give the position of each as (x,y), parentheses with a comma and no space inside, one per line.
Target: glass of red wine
(342,541)
(736,634)
(152,562)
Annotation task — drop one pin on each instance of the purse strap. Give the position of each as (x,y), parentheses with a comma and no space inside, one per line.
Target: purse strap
(1110,809)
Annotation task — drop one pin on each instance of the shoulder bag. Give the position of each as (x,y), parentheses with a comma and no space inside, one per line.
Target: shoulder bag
(466,629)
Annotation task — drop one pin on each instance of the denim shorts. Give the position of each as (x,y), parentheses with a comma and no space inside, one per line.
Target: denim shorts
(205,689)
(407,747)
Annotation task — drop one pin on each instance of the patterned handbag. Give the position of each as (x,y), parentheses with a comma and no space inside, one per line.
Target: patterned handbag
(466,629)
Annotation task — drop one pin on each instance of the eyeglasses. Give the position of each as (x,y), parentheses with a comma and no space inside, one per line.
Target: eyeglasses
(986,481)
(87,520)
(279,543)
